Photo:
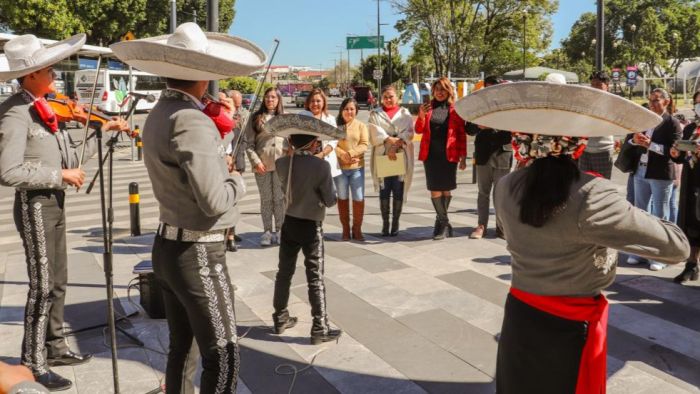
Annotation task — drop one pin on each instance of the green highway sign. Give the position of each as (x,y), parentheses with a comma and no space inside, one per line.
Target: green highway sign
(364,42)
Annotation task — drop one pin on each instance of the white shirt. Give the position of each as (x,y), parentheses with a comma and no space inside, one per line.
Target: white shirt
(332,159)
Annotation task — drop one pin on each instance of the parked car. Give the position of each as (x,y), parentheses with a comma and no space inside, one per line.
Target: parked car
(334,92)
(247,100)
(363,95)
(300,100)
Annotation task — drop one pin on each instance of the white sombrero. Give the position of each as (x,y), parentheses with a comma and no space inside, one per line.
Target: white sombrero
(191,54)
(26,54)
(285,125)
(554,109)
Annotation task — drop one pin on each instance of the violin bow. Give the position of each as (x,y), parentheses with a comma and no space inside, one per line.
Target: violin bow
(258,89)
(92,101)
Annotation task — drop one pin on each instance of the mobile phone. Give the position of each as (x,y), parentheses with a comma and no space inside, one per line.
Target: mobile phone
(686,145)
(426,98)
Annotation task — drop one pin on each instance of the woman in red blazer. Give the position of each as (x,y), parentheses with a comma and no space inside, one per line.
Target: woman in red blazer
(442,148)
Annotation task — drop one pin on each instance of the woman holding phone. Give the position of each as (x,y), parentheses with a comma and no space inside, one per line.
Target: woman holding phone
(443,147)
(687,152)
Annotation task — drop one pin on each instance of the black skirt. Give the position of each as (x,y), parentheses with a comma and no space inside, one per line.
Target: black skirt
(538,352)
(440,174)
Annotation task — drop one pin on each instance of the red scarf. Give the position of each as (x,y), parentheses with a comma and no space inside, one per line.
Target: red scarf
(594,310)
(391,111)
(45,112)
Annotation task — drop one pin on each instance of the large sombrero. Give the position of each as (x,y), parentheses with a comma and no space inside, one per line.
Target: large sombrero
(26,54)
(285,125)
(191,54)
(554,109)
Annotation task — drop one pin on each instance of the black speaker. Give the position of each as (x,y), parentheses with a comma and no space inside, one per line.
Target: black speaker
(151,293)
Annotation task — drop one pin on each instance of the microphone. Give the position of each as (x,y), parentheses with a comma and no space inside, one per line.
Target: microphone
(148,97)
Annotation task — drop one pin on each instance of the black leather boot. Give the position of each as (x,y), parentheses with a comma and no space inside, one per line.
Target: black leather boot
(231,245)
(53,381)
(446,200)
(689,273)
(330,334)
(384,209)
(283,321)
(395,215)
(441,222)
(68,358)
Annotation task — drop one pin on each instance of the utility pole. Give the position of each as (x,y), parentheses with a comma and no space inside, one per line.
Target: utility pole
(213,26)
(379,52)
(525,10)
(173,16)
(600,21)
(390,72)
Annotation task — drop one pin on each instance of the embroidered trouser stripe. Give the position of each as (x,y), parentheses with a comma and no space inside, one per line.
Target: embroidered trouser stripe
(321,284)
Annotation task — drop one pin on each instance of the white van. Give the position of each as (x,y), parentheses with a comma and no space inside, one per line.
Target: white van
(108,98)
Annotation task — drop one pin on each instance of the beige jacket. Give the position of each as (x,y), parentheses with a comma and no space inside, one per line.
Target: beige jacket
(264,147)
(380,128)
(574,253)
(355,143)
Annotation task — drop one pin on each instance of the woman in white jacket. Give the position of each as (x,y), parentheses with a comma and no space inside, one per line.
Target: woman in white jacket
(391,134)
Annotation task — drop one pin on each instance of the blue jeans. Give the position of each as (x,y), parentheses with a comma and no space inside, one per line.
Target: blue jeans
(674,204)
(391,185)
(655,190)
(353,180)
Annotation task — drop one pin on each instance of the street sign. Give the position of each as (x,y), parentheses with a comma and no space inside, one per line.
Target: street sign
(616,74)
(364,42)
(377,74)
(632,75)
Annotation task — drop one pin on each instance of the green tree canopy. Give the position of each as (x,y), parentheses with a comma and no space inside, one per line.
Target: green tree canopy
(245,85)
(399,69)
(104,21)
(469,36)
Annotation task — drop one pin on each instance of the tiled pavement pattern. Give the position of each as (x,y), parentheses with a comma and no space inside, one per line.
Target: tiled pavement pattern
(418,315)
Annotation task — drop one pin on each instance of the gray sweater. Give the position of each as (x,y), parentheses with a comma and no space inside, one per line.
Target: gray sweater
(570,255)
(312,187)
(184,155)
(31,157)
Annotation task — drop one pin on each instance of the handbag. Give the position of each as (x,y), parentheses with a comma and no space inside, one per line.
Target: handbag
(628,158)
(387,167)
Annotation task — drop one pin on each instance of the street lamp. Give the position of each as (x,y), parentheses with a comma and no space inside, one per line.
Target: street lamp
(676,40)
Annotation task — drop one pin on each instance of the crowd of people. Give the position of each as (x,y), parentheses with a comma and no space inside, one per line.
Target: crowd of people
(557,213)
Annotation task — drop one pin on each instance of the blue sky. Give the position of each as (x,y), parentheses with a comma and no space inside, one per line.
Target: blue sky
(313,32)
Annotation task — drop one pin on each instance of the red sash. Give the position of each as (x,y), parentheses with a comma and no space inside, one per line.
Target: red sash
(594,310)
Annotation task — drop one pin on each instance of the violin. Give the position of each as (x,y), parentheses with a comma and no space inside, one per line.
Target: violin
(67,110)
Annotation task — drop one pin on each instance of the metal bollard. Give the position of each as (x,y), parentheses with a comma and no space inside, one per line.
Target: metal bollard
(134,216)
(139,143)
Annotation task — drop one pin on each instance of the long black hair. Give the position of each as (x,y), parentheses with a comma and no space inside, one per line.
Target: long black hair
(258,116)
(339,120)
(547,188)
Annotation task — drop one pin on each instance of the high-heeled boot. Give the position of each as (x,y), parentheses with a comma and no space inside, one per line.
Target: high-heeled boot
(344,216)
(440,231)
(384,210)
(395,215)
(689,273)
(446,201)
(358,211)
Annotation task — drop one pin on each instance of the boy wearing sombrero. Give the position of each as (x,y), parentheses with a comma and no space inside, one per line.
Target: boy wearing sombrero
(39,160)
(185,159)
(309,190)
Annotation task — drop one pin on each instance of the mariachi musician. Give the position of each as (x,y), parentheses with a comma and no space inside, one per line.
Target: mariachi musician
(197,198)
(39,160)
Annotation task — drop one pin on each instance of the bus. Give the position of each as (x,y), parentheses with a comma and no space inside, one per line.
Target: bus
(108,97)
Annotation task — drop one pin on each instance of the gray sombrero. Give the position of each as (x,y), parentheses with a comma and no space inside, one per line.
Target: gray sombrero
(554,109)
(191,54)
(285,125)
(26,54)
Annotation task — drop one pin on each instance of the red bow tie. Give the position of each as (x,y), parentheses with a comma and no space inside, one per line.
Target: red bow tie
(46,114)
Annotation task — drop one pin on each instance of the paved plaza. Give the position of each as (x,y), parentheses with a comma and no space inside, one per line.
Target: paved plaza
(418,315)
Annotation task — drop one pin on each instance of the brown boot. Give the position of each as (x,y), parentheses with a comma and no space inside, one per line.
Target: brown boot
(358,210)
(344,215)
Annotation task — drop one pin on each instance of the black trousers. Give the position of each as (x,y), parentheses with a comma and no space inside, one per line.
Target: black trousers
(307,236)
(41,222)
(198,299)
(538,352)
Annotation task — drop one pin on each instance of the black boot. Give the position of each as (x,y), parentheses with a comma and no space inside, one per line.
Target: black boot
(446,200)
(327,335)
(53,381)
(395,215)
(384,209)
(283,321)
(441,222)
(689,273)
(231,245)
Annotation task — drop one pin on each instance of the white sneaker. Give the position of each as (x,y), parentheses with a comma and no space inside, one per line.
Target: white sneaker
(656,266)
(633,260)
(266,239)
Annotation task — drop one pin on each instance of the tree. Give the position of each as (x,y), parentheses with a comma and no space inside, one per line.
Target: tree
(468,36)
(398,68)
(104,21)
(665,33)
(245,85)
